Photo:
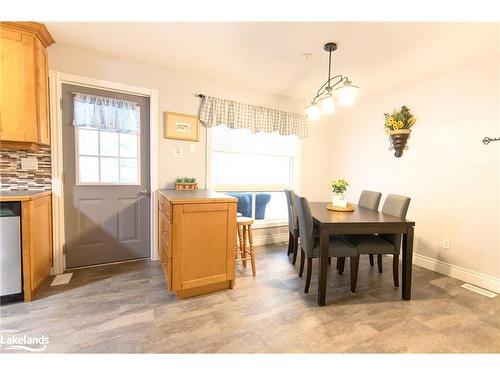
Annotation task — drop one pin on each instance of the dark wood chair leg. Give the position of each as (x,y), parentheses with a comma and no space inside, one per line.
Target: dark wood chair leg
(379,262)
(308,274)
(371,260)
(295,249)
(338,263)
(302,258)
(354,263)
(395,270)
(329,260)
(341,265)
(290,243)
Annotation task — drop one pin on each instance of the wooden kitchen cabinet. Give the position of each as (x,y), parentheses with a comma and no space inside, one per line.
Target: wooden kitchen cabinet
(197,240)
(24,94)
(36,237)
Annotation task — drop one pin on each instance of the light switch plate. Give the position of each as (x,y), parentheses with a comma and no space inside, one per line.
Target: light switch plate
(29,164)
(178,152)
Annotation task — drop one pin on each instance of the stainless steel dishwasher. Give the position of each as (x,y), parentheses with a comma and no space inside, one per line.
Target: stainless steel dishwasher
(11,284)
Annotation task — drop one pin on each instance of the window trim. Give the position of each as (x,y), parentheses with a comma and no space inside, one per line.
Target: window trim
(295,169)
(99,156)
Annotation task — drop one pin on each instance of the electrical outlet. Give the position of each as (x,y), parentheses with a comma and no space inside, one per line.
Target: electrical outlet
(29,164)
(446,244)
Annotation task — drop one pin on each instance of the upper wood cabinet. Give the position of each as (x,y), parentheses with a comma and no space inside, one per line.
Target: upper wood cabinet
(24,94)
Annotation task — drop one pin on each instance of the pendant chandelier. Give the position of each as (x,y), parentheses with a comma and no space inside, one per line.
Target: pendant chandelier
(337,89)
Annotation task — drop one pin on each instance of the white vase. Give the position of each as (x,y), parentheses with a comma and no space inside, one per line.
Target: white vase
(338,200)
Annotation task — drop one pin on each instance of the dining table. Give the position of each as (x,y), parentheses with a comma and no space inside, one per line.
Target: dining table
(360,221)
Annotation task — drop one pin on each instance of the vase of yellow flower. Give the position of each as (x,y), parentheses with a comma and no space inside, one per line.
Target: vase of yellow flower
(398,126)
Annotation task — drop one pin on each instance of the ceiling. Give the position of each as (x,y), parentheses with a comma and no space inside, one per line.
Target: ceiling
(267,56)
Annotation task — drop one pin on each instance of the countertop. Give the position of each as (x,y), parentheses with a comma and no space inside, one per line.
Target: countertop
(22,195)
(195,196)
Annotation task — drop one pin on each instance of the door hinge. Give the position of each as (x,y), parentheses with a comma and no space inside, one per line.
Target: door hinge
(63,177)
(61,103)
(64,249)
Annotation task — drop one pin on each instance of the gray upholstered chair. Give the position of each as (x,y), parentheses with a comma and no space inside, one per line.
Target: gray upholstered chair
(293,225)
(309,245)
(395,205)
(367,199)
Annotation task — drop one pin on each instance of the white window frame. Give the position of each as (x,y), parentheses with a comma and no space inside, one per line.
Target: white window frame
(99,156)
(295,185)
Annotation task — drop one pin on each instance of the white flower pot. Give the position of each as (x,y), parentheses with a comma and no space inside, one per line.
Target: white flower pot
(338,200)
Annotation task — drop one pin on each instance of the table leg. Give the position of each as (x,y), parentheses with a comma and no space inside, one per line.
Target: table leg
(324,243)
(407,263)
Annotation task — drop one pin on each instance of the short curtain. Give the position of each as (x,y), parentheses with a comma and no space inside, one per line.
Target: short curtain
(97,112)
(216,111)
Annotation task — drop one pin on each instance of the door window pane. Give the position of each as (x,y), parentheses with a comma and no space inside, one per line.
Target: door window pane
(128,171)
(89,169)
(109,170)
(128,145)
(116,159)
(88,143)
(109,143)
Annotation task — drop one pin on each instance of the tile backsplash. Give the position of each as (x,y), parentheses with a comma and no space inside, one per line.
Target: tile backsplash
(12,177)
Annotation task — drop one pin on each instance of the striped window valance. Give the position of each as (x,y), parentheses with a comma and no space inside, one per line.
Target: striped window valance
(108,114)
(216,111)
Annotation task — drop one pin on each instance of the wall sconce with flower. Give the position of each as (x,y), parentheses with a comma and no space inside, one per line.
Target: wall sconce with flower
(398,126)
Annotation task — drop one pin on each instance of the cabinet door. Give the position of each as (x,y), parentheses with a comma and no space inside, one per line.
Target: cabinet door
(204,239)
(41,240)
(42,93)
(18,120)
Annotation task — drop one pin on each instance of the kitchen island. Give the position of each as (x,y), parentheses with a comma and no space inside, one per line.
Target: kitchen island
(197,240)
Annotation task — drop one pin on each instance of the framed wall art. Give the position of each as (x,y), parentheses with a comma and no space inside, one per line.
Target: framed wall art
(181,126)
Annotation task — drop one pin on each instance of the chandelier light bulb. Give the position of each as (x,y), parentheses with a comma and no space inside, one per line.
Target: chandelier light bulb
(347,93)
(312,112)
(327,104)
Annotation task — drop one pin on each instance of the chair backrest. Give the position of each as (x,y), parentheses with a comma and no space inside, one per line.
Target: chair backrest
(395,205)
(292,211)
(369,199)
(305,225)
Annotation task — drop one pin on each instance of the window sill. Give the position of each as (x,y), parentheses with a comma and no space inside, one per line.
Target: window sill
(269,224)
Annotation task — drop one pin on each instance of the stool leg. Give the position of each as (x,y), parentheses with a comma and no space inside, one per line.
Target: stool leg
(244,247)
(252,254)
(240,240)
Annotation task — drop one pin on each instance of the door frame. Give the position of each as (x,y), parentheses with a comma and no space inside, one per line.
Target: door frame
(56,80)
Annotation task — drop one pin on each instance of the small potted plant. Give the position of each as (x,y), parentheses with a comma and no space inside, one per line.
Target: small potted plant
(186,183)
(398,126)
(339,187)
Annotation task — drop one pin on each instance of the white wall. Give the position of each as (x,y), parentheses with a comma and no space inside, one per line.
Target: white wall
(452,196)
(176,94)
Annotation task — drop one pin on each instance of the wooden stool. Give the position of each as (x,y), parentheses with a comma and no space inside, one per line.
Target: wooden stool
(246,252)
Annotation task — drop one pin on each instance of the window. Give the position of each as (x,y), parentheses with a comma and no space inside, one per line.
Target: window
(255,168)
(106,158)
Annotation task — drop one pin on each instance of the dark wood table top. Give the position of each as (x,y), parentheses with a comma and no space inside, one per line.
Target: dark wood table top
(360,215)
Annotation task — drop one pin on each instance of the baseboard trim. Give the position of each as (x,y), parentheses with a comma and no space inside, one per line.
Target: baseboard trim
(460,273)
(270,239)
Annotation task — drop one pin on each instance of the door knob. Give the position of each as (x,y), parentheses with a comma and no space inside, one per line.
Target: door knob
(144,192)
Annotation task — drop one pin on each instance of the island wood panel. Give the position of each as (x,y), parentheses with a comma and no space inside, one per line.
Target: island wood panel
(197,236)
